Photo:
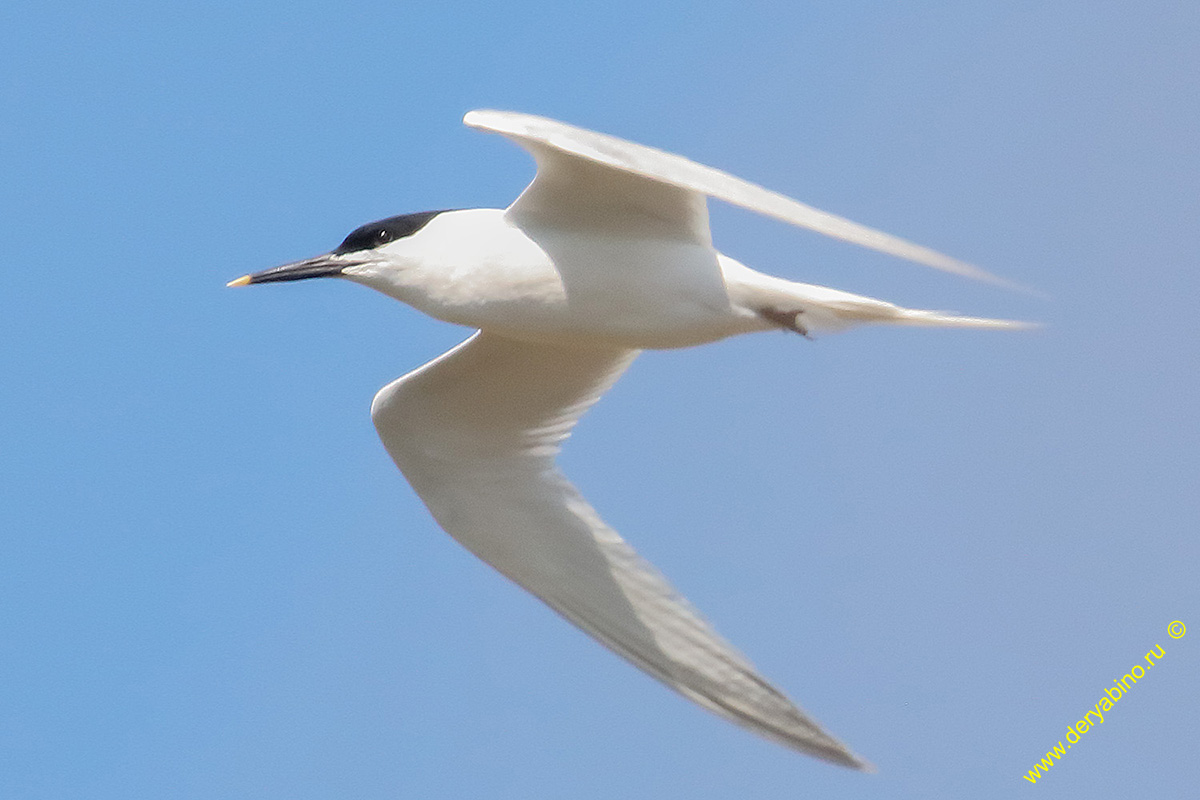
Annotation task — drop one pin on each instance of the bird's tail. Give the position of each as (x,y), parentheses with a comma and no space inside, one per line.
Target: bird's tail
(936,319)
(807,308)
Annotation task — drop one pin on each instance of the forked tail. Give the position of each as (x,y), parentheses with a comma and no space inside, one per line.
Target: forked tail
(807,308)
(941,319)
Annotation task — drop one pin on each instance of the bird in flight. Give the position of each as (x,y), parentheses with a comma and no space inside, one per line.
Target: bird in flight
(606,253)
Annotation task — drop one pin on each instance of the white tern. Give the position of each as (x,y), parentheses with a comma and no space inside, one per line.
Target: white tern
(606,253)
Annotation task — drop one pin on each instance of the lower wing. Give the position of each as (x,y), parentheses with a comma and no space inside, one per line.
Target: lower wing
(475,432)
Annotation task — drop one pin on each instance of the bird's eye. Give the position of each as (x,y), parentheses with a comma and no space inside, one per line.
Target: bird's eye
(383,236)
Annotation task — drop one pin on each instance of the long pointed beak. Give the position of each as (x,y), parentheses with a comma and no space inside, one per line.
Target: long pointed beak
(328,265)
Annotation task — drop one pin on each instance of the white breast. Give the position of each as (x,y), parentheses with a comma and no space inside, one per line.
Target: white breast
(477,268)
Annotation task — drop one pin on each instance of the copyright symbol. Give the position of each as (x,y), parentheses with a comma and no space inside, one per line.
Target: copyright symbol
(1176,629)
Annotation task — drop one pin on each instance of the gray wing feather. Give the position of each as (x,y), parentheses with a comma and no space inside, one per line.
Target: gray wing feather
(577,167)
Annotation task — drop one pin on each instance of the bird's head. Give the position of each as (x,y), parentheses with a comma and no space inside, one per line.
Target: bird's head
(369,255)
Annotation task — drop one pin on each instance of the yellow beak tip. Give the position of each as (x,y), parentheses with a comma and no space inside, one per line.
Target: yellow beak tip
(242,281)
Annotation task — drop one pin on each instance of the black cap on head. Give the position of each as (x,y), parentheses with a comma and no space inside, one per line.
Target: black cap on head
(377,234)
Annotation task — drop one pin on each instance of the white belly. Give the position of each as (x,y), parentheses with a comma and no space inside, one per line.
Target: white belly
(478,270)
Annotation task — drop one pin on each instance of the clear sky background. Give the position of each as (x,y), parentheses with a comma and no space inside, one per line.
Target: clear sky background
(943,544)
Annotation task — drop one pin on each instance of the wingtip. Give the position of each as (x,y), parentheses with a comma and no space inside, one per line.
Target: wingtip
(919,254)
(1005,283)
(833,752)
(857,763)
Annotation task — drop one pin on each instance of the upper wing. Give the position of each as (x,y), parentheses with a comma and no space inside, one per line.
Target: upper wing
(585,176)
(476,430)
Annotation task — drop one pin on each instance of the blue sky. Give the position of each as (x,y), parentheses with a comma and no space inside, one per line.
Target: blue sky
(943,544)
